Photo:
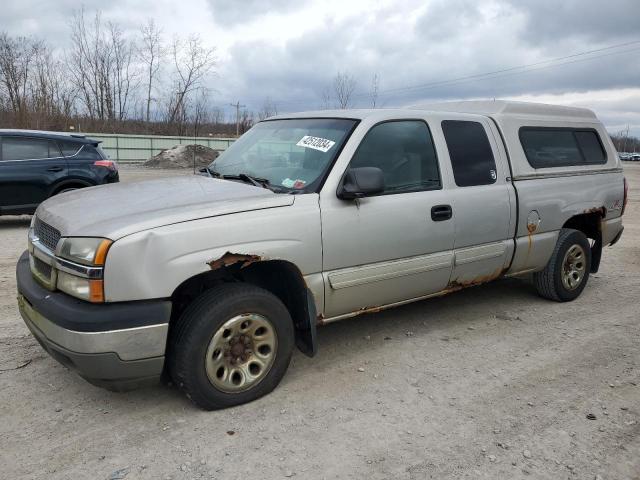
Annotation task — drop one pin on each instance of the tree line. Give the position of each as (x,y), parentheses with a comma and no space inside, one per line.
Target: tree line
(106,81)
(625,143)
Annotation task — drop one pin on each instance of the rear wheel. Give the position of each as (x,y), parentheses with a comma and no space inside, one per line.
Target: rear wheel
(567,271)
(232,345)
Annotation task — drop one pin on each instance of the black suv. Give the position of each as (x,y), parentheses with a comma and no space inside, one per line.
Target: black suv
(36,165)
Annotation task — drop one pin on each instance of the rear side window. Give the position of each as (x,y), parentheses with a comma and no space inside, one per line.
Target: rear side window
(404,151)
(90,152)
(24,148)
(561,147)
(69,149)
(470,152)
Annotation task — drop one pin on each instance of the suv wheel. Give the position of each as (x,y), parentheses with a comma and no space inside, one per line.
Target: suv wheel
(232,345)
(567,272)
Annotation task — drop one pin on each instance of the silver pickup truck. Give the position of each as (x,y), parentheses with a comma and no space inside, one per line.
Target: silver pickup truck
(213,279)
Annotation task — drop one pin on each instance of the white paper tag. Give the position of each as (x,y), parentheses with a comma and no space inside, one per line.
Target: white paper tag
(317,143)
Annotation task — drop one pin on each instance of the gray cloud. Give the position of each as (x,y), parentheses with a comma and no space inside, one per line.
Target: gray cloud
(407,42)
(550,20)
(449,40)
(229,12)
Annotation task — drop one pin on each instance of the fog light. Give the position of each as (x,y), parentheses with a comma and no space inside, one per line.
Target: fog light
(83,288)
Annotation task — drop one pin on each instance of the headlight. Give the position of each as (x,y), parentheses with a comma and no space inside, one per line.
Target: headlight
(86,251)
(87,289)
(82,276)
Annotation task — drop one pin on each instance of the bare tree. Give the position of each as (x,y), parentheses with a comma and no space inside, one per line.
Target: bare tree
(100,63)
(246,121)
(325,99)
(192,61)
(52,97)
(344,86)
(269,109)
(124,75)
(200,112)
(375,88)
(150,52)
(16,59)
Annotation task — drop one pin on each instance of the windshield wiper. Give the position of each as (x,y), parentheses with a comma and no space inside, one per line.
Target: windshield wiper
(258,182)
(244,177)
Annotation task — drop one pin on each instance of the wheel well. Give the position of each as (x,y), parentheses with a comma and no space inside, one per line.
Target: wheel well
(590,223)
(279,277)
(587,223)
(69,184)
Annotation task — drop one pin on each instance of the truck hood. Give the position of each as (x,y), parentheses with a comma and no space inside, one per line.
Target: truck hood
(116,210)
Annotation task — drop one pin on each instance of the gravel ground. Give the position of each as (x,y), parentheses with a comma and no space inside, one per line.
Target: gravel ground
(491,382)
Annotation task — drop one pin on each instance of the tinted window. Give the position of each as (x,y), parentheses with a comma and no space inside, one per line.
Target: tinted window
(404,152)
(591,147)
(90,152)
(18,148)
(554,147)
(70,148)
(470,152)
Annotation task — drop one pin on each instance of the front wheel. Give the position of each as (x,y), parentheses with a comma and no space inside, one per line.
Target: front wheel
(232,345)
(567,271)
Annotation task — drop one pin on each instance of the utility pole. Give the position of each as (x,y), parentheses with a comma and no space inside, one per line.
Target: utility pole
(238,107)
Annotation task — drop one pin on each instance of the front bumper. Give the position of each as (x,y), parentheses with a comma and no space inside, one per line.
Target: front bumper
(117,346)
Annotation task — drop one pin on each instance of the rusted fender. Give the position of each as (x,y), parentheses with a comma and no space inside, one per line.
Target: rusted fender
(232,258)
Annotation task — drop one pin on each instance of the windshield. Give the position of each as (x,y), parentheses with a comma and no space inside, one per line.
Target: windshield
(291,155)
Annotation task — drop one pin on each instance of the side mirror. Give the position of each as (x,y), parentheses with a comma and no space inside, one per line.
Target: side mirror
(204,172)
(361,182)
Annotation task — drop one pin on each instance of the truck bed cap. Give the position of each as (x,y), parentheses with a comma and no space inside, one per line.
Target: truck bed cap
(509,108)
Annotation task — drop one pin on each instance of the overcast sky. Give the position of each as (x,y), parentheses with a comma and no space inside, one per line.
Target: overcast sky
(289,50)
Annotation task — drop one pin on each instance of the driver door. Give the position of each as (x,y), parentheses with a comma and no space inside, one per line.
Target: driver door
(390,247)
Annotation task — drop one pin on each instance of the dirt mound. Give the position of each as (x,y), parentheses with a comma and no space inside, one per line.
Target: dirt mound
(182,156)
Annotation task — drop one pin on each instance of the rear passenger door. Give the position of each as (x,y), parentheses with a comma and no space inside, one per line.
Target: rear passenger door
(29,166)
(482,199)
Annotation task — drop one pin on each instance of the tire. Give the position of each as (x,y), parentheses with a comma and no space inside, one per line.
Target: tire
(554,281)
(199,338)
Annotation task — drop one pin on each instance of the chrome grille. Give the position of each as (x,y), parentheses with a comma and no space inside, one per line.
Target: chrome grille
(46,234)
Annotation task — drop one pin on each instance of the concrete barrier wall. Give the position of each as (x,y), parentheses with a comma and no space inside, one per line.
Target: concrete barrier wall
(138,148)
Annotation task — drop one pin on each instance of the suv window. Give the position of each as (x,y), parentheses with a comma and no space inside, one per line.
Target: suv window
(404,151)
(561,147)
(90,152)
(22,148)
(69,149)
(470,152)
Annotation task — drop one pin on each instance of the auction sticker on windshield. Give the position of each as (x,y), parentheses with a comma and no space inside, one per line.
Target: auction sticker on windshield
(317,143)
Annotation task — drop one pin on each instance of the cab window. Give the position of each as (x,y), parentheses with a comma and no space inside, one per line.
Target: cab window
(404,151)
(470,152)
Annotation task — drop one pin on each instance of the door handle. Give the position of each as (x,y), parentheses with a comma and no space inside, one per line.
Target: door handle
(440,213)
(55,169)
